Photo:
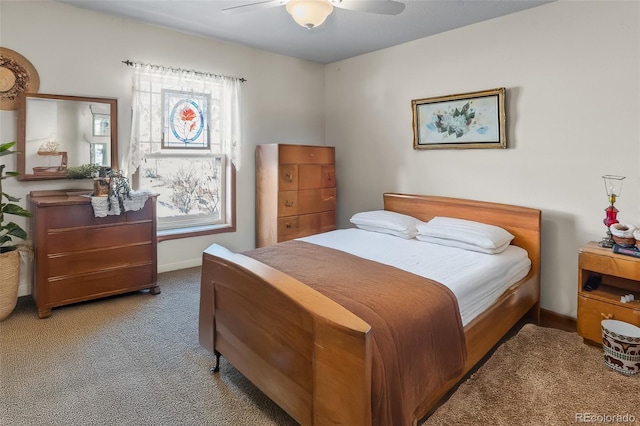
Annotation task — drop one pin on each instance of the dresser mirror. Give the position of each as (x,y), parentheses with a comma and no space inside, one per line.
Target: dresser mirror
(56,132)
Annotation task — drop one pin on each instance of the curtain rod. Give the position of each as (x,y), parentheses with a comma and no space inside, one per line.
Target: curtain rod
(162,68)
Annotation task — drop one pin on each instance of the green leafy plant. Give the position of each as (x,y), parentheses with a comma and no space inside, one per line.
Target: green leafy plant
(119,187)
(9,230)
(84,171)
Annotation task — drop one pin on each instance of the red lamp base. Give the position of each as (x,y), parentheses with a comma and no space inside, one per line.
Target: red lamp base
(610,219)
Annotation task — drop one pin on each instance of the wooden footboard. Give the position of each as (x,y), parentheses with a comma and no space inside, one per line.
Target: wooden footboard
(313,357)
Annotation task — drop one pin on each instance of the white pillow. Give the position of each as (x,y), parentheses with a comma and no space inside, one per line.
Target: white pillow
(466,231)
(387,222)
(462,245)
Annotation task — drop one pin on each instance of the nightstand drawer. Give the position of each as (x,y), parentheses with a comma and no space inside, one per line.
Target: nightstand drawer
(603,261)
(591,312)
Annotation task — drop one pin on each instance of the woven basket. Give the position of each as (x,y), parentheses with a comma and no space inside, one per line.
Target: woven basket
(9,282)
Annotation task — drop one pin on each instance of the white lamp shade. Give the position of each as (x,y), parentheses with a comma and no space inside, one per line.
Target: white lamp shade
(309,13)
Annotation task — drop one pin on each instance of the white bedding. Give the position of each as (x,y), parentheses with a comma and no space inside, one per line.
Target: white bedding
(476,279)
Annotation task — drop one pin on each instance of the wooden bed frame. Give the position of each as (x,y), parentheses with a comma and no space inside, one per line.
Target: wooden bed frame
(310,355)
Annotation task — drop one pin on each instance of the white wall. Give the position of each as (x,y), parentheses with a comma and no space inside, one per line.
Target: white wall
(571,70)
(78,52)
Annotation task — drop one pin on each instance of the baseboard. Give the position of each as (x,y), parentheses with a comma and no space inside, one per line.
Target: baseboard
(191,263)
(556,320)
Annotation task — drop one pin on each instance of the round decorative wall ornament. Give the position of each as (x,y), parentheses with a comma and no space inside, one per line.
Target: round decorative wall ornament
(17,76)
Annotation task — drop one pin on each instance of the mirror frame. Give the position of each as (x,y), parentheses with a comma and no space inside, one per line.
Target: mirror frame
(22,130)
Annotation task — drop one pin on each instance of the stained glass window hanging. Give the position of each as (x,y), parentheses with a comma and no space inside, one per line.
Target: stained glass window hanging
(185,120)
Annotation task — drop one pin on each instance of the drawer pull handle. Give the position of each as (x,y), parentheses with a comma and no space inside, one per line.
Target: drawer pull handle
(289,176)
(287,225)
(606,316)
(288,203)
(329,177)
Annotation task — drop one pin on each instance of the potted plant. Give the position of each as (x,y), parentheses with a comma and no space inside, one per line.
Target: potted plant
(107,182)
(9,233)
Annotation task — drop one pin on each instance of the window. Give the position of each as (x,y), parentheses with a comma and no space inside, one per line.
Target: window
(185,140)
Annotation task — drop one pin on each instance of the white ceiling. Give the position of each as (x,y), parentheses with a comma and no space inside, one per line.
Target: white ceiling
(344,34)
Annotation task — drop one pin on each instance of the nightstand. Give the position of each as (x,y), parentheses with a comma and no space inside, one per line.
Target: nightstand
(616,275)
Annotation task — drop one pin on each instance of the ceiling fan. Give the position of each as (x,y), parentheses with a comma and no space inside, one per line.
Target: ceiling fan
(311,13)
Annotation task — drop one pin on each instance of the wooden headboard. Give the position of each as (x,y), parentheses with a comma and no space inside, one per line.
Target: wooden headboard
(522,222)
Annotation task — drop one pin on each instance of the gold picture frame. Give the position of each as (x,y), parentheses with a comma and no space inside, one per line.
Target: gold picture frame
(465,120)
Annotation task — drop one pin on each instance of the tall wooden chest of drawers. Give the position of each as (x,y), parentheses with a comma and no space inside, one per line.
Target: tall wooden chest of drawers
(295,192)
(81,257)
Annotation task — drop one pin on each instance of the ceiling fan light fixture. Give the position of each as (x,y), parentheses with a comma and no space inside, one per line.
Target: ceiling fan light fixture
(309,13)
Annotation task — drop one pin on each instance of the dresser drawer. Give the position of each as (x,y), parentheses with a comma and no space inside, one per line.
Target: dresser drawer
(80,262)
(590,315)
(88,238)
(82,215)
(88,286)
(306,154)
(304,225)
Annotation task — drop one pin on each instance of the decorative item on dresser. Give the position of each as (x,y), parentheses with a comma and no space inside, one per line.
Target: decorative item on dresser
(605,280)
(295,192)
(81,257)
(613,187)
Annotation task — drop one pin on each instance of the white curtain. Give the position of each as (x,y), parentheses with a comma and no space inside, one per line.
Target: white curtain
(147,109)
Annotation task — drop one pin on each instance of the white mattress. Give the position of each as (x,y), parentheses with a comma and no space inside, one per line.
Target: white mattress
(476,279)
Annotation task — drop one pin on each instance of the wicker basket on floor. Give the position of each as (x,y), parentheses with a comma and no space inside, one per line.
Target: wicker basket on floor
(9,281)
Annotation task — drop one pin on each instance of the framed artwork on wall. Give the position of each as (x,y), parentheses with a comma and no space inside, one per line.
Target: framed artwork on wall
(466,120)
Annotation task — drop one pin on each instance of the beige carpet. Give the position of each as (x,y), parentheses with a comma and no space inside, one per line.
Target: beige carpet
(543,376)
(135,360)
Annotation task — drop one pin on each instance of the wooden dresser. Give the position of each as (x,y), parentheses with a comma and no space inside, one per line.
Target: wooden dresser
(613,275)
(81,257)
(295,192)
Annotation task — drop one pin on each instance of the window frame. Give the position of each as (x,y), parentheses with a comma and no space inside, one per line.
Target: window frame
(229,224)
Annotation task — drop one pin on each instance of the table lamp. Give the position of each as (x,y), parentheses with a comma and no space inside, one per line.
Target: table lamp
(613,186)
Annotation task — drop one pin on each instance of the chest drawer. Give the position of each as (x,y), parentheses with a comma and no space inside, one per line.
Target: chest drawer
(306,154)
(292,177)
(590,315)
(288,177)
(313,176)
(306,201)
(304,225)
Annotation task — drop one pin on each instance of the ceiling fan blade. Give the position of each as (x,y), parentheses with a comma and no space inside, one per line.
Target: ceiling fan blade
(255,6)
(383,7)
